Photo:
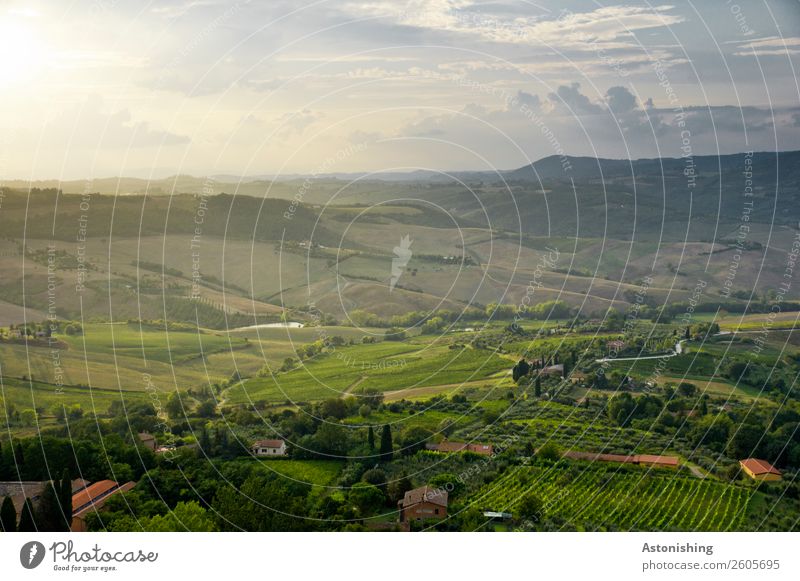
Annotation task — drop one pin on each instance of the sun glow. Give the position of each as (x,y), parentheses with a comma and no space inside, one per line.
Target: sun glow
(22,52)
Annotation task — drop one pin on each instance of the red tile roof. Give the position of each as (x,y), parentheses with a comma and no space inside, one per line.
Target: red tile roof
(424,494)
(758,467)
(98,498)
(267,444)
(671,461)
(88,495)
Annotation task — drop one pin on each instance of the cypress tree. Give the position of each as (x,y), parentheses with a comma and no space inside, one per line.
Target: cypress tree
(48,513)
(65,499)
(537,390)
(8,516)
(371,438)
(27,524)
(703,407)
(386,451)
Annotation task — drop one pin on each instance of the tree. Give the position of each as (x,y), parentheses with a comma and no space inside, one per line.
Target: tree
(549,451)
(386,450)
(207,409)
(414,439)
(687,389)
(530,507)
(366,497)
(398,488)
(8,516)
(65,499)
(520,370)
(27,524)
(537,387)
(376,477)
(174,406)
(186,516)
(48,513)
(704,406)
(371,438)
(744,442)
(333,408)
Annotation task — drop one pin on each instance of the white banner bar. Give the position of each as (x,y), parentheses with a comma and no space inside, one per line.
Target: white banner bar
(401,556)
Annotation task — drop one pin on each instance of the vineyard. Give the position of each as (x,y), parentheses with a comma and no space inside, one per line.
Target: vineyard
(610,497)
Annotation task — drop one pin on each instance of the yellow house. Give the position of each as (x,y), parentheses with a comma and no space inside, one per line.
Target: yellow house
(760,469)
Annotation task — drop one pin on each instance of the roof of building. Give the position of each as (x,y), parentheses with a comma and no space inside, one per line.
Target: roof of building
(654,459)
(446,446)
(145,437)
(624,459)
(424,494)
(758,467)
(89,494)
(268,444)
(96,495)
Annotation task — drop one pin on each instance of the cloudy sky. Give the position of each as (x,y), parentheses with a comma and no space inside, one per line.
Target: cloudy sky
(121,87)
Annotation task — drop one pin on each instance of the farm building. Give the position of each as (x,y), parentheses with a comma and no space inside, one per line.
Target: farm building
(449,447)
(148,440)
(269,448)
(20,490)
(760,469)
(423,503)
(640,459)
(616,345)
(553,370)
(92,498)
(656,461)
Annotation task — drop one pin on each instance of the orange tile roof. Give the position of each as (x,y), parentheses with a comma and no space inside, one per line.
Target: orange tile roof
(90,493)
(267,444)
(758,467)
(424,494)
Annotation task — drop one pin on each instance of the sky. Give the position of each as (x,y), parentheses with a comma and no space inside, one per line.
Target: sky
(102,88)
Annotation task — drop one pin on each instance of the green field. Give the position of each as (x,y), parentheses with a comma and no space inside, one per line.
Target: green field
(319,472)
(384,366)
(600,497)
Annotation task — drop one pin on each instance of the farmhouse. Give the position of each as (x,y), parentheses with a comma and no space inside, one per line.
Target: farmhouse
(269,448)
(92,499)
(448,447)
(616,345)
(553,370)
(148,440)
(656,461)
(641,459)
(423,503)
(760,469)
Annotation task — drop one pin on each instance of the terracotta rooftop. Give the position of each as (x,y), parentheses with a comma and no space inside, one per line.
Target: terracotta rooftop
(96,495)
(425,494)
(267,444)
(758,467)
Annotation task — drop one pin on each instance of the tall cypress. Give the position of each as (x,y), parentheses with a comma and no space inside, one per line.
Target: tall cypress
(537,389)
(48,514)
(27,523)
(8,516)
(65,499)
(386,451)
(371,438)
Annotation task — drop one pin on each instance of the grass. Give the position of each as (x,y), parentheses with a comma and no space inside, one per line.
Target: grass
(384,366)
(320,472)
(31,395)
